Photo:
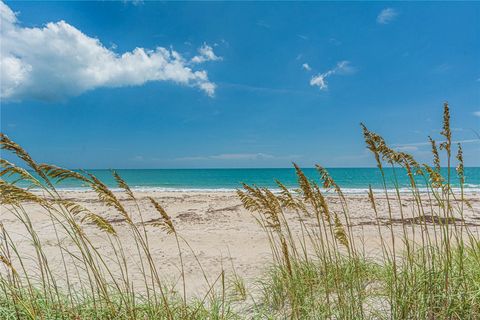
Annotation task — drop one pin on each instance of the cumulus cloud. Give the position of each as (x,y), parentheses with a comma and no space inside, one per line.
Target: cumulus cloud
(387,15)
(205,54)
(320,80)
(58,60)
(305,66)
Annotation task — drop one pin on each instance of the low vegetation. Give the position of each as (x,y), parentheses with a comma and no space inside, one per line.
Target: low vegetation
(427,266)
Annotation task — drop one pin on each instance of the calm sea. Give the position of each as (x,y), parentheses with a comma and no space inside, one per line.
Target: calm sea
(350,179)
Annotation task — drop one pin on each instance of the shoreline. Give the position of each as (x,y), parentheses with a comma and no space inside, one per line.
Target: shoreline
(350,191)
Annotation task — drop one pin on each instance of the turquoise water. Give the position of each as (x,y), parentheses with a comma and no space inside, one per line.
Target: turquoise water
(350,179)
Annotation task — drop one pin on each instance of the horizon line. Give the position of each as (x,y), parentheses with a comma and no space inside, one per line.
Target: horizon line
(239,168)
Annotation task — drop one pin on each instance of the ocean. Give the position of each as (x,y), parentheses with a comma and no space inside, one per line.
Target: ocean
(351,180)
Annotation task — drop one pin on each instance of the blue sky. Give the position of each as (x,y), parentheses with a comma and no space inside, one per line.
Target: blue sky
(190,85)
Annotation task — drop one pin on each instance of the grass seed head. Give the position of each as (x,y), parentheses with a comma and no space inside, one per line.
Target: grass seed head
(165,222)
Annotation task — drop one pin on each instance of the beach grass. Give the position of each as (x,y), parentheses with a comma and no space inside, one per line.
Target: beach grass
(427,266)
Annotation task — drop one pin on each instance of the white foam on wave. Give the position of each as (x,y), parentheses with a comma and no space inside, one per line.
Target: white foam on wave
(359,191)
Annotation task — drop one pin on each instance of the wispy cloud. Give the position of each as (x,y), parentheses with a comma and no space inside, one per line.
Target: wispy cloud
(320,80)
(406,148)
(238,157)
(387,15)
(306,67)
(421,144)
(303,37)
(58,61)
(334,41)
(138,158)
(476,113)
(263,24)
(242,156)
(442,68)
(134,2)
(230,156)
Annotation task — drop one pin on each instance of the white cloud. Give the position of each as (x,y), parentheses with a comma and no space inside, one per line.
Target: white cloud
(404,146)
(263,24)
(335,42)
(476,113)
(138,158)
(320,80)
(134,2)
(242,156)
(442,68)
(306,67)
(407,148)
(205,54)
(387,15)
(58,60)
(231,156)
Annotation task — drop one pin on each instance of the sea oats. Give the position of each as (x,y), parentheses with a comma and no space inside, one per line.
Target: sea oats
(60,174)
(13,195)
(435,177)
(8,263)
(165,222)
(322,203)
(123,185)
(10,169)
(304,184)
(99,221)
(460,168)
(446,132)
(340,233)
(371,144)
(7,144)
(107,197)
(436,156)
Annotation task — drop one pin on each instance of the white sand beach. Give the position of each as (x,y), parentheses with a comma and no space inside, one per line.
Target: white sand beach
(222,234)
